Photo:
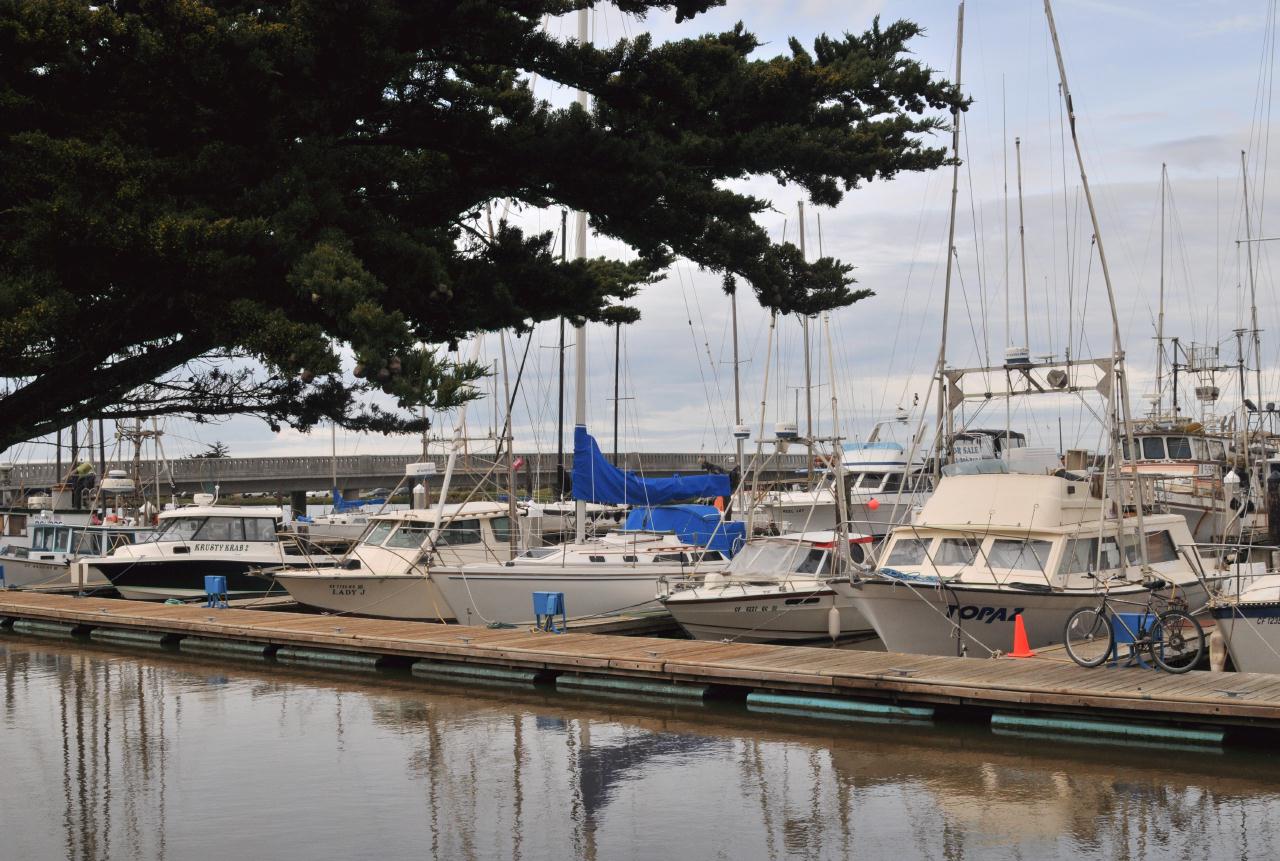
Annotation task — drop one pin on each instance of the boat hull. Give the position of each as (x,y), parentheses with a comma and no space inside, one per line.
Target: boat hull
(164,578)
(775,617)
(19,573)
(399,596)
(976,622)
(1252,634)
(478,598)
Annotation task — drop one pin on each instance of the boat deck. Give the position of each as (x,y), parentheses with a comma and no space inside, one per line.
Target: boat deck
(730,670)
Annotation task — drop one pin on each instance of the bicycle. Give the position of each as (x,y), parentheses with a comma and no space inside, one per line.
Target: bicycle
(1165,629)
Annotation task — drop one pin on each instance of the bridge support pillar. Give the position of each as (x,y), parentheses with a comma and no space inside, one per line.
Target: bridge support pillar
(298,502)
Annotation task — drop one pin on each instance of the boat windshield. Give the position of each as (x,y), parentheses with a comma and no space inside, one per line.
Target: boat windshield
(460,532)
(51,539)
(88,543)
(777,558)
(908,551)
(178,528)
(1009,554)
(379,532)
(409,536)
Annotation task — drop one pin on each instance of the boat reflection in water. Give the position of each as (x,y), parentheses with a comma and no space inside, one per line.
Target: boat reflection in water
(112,753)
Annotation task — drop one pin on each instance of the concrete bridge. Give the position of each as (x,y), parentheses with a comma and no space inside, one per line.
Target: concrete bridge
(287,475)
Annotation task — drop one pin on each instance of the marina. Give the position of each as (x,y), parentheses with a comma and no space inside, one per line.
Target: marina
(516,430)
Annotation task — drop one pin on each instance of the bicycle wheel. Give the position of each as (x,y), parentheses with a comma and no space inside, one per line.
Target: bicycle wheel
(1177,641)
(1088,636)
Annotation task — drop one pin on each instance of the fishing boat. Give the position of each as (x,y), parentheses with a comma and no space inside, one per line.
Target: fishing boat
(56,544)
(388,574)
(988,548)
(237,542)
(774,591)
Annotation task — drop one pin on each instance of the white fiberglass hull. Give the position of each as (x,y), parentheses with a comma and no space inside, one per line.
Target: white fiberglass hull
(759,615)
(1251,626)
(396,596)
(20,573)
(976,622)
(506,594)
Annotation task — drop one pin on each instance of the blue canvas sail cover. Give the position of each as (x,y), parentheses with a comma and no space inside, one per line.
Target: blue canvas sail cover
(692,524)
(597,480)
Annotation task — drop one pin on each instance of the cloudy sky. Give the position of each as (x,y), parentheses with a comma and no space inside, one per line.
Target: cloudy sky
(1183,83)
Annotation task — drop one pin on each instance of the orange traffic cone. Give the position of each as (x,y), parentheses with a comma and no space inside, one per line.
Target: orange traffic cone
(1021,648)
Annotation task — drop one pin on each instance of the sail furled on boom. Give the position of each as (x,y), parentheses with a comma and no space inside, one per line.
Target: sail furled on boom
(597,480)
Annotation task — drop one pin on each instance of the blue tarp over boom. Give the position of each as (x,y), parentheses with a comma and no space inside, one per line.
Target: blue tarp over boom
(696,524)
(597,480)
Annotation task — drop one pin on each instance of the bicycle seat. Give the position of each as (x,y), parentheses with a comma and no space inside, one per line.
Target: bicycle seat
(1155,585)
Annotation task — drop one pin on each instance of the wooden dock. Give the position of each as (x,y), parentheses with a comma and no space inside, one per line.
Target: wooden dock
(1240,705)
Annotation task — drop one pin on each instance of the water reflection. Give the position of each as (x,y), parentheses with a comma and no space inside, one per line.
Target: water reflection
(118,754)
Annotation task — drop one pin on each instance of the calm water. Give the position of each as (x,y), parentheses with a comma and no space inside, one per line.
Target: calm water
(124,754)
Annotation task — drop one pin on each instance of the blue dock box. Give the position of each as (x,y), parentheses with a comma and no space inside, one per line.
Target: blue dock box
(215,587)
(546,607)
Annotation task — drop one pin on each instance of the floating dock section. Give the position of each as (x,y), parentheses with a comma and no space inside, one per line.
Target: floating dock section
(818,683)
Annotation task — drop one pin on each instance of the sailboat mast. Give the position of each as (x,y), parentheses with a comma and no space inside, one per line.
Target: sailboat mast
(580,332)
(1164,174)
(737,402)
(1022,249)
(1117,353)
(564,255)
(944,414)
(808,371)
(1253,285)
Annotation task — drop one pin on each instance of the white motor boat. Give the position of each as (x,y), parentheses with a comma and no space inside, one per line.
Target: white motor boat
(55,545)
(989,547)
(192,542)
(390,571)
(774,591)
(620,571)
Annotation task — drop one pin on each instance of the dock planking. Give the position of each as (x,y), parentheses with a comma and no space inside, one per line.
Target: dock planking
(1026,685)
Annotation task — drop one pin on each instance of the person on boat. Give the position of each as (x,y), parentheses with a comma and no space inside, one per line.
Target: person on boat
(83,478)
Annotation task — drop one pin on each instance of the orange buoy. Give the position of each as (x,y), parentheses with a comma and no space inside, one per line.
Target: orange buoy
(1021,648)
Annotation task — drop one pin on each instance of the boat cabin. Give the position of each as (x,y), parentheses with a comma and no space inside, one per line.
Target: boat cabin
(57,541)
(472,532)
(1029,530)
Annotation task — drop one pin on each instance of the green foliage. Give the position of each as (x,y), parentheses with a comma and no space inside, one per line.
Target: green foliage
(188,183)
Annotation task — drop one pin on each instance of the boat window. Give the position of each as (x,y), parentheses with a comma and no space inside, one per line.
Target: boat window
(43,538)
(595,558)
(379,532)
(956,551)
(17,525)
(501,529)
(893,482)
(857,554)
(1199,451)
(538,552)
(62,541)
(630,559)
(670,557)
(709,556)
(88,543)
(178,528)
(1081,555)
(259,529)
(1153,447)
(409,536)
(1124,449)
(1217,451)
(1160,547)
(221,529)
(908,551)
(1179,447)
(459,532)
(118,539)
(1014,554)
(811,563)
(870,481)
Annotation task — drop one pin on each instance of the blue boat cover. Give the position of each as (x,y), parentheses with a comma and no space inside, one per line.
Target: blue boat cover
(693,524)
(597,480)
